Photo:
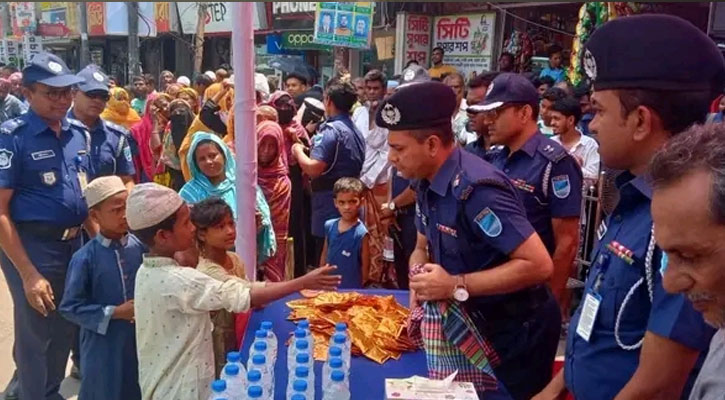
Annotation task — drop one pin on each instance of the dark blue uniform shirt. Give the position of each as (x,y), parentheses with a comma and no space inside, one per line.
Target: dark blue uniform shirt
(341,146)
(549,181)
(599,369)
(110,149)
(45,171)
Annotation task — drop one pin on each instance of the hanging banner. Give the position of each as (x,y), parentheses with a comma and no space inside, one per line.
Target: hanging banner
(161,16)
(24,18)
(467,40)
(32,45)
(218,17)
(96,18)
(344,24)
(413,39)
(12,52)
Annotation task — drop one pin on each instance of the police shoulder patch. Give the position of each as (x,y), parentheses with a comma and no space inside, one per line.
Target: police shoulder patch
(489,223)
(6,159)
(561,186)
(116,127)
(9,127)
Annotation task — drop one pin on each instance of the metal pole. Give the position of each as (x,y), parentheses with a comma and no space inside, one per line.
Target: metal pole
(85,56)
(245,142)
(134,64)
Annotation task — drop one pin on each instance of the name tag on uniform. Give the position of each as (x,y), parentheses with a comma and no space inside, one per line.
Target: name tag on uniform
(448,230)
(42,155)
(346,253)
(592,301)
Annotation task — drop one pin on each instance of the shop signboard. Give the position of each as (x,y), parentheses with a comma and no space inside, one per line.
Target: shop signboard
(2,51)
(344,24)
(293,7)
(467,40)
(412,39)
(301,40)
(96,11)
(218,17)
(32,45)
(24,18)
(58,19)
(161,16)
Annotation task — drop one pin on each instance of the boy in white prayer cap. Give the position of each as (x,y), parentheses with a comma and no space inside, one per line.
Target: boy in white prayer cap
(99,294)
(173,327)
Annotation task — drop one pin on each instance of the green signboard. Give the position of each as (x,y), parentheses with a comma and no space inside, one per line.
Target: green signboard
(301,40)
(346,24)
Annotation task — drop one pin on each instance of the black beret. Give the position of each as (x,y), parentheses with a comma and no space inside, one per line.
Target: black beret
(660,52)
(417,105)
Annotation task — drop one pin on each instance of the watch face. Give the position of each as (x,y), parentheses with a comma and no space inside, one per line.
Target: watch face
(460,294)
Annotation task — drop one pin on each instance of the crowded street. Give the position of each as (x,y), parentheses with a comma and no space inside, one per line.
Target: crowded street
(362,200)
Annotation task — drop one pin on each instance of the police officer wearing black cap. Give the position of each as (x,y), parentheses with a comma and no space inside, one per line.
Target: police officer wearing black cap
(479,266)
(629,339)
(44,167)
(549,180)
(110,143)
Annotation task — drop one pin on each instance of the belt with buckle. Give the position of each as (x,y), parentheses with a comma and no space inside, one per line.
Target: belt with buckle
(47,231)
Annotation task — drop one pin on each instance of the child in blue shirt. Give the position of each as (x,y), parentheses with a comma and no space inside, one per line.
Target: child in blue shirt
(554,70)
(346,238)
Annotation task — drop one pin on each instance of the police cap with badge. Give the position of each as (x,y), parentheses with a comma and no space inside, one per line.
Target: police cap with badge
(406,109)
(507,88)
(49,69)
(620,55)
(95,80)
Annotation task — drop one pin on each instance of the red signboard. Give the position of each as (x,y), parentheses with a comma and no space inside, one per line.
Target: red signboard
(53,30)
(161,15)
(96,18)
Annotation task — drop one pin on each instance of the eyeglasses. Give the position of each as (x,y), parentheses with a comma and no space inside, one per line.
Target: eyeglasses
(493,115)
(98,96)
(58,94)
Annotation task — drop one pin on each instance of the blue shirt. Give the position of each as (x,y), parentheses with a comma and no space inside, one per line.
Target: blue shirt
(549,181)
(471,215)
(46,172)
(341,146)
(599,369)
(344,249)
(101,276)
(558,74)
(110,149)
(584,124)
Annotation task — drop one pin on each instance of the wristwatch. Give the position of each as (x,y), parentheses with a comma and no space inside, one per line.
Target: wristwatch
(460,293)
(390,206)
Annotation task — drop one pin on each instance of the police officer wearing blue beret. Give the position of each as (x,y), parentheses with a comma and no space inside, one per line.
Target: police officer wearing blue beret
(549,180)
(476,252)
(44,167)
(110,143)
(630,339)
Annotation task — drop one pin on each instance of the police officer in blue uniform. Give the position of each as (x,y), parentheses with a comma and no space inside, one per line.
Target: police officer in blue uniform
(475,247)
(338,150)
(548,179)
(629,339)
(110,143)
(44,167)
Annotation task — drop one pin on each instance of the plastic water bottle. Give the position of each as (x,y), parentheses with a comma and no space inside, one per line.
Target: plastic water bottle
(255,393)
(336,352)
(340,340)
(218,389)
(338,388)
(331,365)
(260,347)
(235,358)
(235,381)
(272,344)
(298,387)
(300,334)
(259,362)
(304,325)
(302,346)
(304,360)
(254,378)
(301,374)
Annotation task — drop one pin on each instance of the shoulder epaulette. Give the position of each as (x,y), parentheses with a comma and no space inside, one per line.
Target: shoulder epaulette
(10,126)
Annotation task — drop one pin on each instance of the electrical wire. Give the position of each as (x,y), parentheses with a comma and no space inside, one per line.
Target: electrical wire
(512,15)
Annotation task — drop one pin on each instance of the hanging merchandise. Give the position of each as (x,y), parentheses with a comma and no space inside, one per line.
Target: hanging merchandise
(519,44)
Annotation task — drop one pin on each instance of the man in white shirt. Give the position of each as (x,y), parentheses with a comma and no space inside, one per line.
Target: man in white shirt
(456,82)
(565,115)
(376,167)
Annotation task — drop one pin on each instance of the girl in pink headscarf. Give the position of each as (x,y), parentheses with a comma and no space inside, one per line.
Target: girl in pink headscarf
(274,181)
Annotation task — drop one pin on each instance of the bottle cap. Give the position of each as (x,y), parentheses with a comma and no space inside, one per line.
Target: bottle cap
(339,338)
(340,327)
(302,372)
(337,376)
(254,375)
(335,351)
(260,334)
(267,325)
(304,324)
(232,370)
(336,362)
(234,357)
(254,391)
(302,344)
(218,386)
(260,346)
(259,359)
(299,385)
(303,358)
(300,333)
(298,397)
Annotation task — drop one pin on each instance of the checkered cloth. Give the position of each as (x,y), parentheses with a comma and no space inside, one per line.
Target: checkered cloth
(453,343)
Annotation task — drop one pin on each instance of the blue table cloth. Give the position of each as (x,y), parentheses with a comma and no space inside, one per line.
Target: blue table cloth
(367,378)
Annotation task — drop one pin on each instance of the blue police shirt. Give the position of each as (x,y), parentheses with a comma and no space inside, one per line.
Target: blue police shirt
(110,149)
(549,181)
(471,215)
(341,146)
(45,172)
(599,369)
(344,249)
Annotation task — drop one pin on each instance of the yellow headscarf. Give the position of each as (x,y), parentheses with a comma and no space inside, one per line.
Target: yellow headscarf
(118,109)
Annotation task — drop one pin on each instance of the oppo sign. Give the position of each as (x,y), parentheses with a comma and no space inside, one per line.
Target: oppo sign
(300,41)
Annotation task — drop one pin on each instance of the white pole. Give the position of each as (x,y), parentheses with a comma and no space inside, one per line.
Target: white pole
(245,142)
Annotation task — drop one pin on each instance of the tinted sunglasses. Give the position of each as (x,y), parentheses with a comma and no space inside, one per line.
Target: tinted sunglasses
(105,96)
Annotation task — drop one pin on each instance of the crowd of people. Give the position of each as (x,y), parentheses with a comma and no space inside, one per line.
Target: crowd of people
(118,214)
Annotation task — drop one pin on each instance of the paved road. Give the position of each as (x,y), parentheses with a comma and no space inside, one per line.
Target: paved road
(69,388)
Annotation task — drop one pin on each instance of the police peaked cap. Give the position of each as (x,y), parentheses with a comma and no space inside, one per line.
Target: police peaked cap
(417,106)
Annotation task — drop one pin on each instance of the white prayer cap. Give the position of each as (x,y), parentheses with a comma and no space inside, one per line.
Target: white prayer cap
(184,81)
(149,204)
(261,85)
(102,188)
(211,75)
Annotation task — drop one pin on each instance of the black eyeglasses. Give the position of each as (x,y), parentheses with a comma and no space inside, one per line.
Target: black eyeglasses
(57,94)
(105,96)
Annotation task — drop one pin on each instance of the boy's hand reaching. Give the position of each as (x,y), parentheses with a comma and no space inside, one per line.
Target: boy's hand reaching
(320,279)
(124,311)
